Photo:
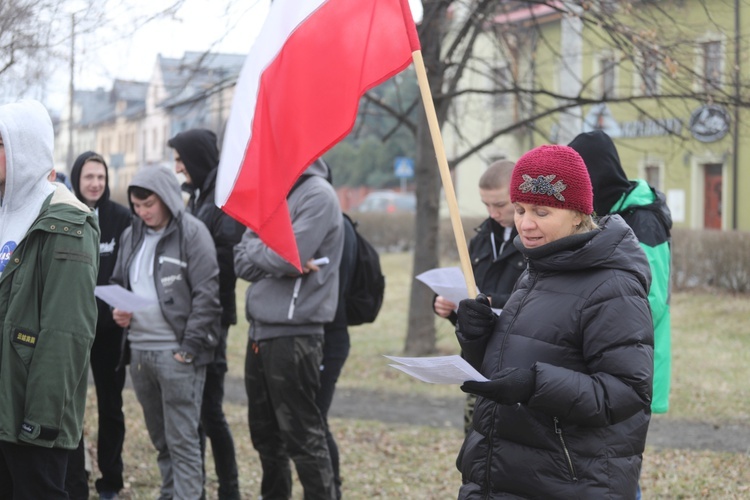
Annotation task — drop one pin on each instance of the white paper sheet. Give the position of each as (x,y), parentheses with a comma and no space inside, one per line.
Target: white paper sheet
(446,281)
(438,369)
(120,298)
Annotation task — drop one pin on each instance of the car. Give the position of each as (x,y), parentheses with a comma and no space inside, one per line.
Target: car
(388,202)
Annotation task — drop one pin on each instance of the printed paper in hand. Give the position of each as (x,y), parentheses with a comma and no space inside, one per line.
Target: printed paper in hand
(446,281)
(120,298)
(438,369)
(449,283)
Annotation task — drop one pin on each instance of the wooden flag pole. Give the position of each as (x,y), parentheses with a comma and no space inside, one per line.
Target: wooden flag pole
(445,173)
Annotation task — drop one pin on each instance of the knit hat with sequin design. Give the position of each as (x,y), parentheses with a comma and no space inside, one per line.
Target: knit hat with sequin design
(552,176)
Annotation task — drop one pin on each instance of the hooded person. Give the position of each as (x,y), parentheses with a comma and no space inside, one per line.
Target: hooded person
(287,310)
(89,179)
(48,271)
(197,158)
(645,210)
(168,257)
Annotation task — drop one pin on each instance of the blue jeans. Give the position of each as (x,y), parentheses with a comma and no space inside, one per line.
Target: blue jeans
(170,394)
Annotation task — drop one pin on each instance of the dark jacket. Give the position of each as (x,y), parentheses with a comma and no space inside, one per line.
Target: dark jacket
(186,274)
(199,154)
(645,211)
(580,319)
(495,277)
(113,219)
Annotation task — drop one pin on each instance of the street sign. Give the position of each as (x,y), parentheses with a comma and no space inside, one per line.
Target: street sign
(403,167)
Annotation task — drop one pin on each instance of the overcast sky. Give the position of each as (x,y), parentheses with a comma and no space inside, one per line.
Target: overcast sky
(199,25)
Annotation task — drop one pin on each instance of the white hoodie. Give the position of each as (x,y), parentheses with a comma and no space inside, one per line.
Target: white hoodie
(28,137)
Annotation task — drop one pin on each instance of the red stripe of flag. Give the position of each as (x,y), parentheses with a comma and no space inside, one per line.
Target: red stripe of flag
(307,101)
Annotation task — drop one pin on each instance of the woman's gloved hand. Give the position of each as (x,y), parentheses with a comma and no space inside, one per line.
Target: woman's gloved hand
(475,317)
(510,386)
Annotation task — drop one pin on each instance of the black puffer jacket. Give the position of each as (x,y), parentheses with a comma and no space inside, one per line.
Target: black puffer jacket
(495,276)
(580,318)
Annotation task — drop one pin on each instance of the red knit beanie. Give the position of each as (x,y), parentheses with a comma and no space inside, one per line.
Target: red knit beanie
(552,176)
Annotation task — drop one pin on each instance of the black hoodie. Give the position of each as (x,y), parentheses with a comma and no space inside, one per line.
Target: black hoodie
(608,179)
(113,219)
(198,152)
(200,155)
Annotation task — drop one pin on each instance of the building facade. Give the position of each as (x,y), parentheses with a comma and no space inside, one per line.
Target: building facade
(668,80)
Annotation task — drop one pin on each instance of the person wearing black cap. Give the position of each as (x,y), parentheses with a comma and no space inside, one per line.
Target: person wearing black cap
(89,178)
(645,210)
(196,156)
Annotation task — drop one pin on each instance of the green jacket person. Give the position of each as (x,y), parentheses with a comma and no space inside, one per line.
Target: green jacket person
(48,267)
(645,211)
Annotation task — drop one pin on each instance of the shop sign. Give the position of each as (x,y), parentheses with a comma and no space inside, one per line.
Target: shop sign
(709,123)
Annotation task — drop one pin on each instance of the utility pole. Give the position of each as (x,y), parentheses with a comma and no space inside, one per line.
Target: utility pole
(71,89)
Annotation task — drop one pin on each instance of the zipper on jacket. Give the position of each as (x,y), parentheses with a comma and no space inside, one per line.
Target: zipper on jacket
(488,468)
(295,294)
(558,431)
(533,279)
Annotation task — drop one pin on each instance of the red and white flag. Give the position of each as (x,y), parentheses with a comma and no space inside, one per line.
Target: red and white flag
(297,96)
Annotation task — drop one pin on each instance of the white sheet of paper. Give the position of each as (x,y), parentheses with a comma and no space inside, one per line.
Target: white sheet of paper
(446,281)
(438,369)
(123,299)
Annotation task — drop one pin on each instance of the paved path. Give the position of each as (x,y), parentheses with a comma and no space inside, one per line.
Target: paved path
(664,432)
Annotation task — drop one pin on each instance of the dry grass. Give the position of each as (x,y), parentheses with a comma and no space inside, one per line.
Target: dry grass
(711,347)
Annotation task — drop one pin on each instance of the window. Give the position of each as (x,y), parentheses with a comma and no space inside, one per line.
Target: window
(607,72)
(711,66)
(502,83)
(653,175)
(650,72)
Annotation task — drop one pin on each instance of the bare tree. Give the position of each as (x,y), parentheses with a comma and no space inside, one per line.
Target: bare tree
(675,69)
(37,36)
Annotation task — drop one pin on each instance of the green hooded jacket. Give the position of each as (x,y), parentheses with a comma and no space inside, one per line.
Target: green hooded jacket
(645,210)
(48,311)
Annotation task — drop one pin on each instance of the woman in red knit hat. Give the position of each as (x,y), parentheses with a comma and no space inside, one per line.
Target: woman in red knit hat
(570,359)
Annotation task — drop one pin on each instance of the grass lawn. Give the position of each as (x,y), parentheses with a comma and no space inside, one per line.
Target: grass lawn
(711,367)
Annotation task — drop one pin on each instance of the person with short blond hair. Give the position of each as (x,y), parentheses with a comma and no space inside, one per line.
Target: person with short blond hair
(497,264)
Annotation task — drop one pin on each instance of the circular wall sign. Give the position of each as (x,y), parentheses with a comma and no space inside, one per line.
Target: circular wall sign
(709,123)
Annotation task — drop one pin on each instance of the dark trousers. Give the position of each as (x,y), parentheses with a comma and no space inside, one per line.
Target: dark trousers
(282,379)
(105,354)
(30,472)
(76,478)
(335,351)
(109,382)
(214,425)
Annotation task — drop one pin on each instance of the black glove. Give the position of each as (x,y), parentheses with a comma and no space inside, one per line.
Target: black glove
(475,318)
(510,386)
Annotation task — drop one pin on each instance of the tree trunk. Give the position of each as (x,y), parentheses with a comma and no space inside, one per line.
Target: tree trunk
(420,336)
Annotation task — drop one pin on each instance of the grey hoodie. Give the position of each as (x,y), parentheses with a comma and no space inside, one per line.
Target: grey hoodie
(28,136)
(281,302)
(186,274)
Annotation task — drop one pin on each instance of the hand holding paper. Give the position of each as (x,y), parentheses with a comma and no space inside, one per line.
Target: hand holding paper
(438,369)
(120,298)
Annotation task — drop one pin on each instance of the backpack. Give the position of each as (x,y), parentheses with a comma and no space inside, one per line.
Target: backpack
(363,296)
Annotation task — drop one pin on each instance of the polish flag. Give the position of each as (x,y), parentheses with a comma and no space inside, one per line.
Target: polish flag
(297,95)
